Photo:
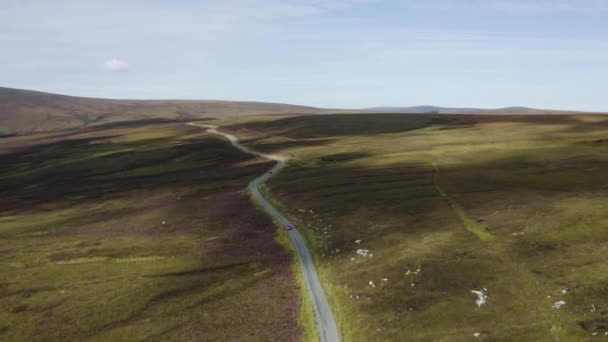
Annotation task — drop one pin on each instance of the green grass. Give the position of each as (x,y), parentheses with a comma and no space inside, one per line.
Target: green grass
(474,227)
(306,317)
(513,204)
(85,119)
(139,233)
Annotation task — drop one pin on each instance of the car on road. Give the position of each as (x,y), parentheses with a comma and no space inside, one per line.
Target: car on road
(289,227)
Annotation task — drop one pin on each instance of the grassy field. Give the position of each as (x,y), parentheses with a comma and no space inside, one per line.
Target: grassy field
(131,233)
(512,207)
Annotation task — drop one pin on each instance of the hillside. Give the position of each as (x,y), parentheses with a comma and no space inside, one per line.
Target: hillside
(450,227)
(27,111)
(23,111)
(450,110)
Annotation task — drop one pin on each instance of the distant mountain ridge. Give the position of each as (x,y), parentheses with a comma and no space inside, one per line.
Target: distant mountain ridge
(23,111)
(27,111)
(448,110)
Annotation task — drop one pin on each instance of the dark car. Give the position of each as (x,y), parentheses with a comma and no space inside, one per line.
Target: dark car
(289,227)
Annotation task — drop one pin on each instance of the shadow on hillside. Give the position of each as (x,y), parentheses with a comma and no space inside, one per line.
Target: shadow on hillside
(404,191)
(81,171)
(328,125)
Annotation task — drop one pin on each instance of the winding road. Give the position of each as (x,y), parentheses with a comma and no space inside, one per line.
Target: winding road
(328,331)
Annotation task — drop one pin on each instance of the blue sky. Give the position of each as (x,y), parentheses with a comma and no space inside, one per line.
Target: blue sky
(338,53)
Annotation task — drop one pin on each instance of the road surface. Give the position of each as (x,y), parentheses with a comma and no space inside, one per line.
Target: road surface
(328,331)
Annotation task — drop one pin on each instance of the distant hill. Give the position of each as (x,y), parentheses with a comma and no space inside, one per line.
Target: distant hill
(448,110)
(420,109)
(23,111)
(27,111)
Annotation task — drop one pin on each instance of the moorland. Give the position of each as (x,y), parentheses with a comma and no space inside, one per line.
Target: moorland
(139,231)
(450,227)
(423,226)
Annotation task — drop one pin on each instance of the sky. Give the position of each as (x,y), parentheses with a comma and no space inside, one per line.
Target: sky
(549,54)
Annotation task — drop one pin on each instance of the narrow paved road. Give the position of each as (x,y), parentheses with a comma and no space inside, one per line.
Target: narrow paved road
(328,331)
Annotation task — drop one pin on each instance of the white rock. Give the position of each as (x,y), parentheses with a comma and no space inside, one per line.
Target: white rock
(384,279)
(477,335)
(363,252)
(164,222)
(558,304)
(482,298)
(358,242)
(564,291)
(371,283)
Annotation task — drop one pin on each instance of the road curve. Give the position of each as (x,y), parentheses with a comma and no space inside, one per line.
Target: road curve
(328,331)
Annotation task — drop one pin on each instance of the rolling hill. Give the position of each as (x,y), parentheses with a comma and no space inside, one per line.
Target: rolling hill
(23,111)
(450,110)
(27,111)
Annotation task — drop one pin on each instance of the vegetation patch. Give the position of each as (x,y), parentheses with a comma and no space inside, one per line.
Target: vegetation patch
(383,200)
(130,233)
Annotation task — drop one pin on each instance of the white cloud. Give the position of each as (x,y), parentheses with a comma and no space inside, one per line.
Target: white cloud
(116,65)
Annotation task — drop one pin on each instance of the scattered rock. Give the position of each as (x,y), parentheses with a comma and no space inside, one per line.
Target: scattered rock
(476,335)
(482,297)
(164,222)
(364,252)
(384,279)
(558,304)
(358,242)
(408,271)
(565,291)
(371,283)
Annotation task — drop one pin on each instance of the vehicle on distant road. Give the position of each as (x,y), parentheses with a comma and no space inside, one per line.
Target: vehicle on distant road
(289,227)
